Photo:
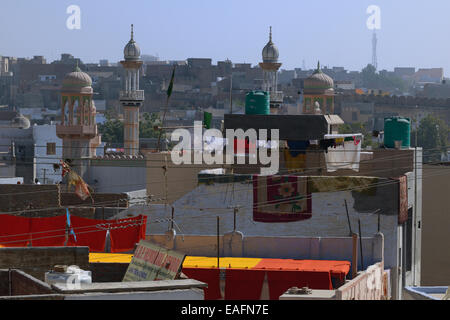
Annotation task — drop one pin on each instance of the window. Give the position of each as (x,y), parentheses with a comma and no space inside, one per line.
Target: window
(354,116)
(51,148)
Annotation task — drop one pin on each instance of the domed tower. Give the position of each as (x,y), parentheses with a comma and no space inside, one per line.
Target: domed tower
(270,66)
(78,128)
(131,97)
(318,87)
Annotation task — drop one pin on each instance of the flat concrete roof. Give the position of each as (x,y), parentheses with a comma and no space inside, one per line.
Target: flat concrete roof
(291,127)
(64,288)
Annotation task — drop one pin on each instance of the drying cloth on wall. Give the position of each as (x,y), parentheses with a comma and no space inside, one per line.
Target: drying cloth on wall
(125,233)
(48,232)
(346,155)
(88,233)
(297,147)
(295,163)
(248,147)
(209,276)
(403,199)
(281,281)
(243,284)
(365,185)
(280,199)
(14,231)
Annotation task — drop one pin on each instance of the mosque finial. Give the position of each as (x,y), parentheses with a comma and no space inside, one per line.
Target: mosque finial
(77,68)
(132,32)
(270,34)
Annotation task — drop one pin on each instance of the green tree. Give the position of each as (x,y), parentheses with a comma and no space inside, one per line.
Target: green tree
(384,81)
(112,129)
(359,127)
(147,125)
(432,136)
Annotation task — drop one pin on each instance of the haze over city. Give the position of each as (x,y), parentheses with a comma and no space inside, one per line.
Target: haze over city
(333,32)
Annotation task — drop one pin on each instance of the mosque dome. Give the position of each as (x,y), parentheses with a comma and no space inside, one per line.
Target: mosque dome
(270,52)
(77,81)
(132,50)
(318,81)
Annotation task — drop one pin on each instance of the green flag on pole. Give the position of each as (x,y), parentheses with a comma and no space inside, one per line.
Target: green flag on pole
(207,118)
(169,90)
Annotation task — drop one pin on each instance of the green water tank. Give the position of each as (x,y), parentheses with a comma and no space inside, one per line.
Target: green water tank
(257,102)
(397,129)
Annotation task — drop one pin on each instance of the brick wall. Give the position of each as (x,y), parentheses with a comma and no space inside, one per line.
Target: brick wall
(24,284)
(14,197)
(100,200)
(37,261)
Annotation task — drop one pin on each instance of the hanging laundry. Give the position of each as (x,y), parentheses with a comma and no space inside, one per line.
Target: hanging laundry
(81,187)
(89,233)
(250,147)
(48,232)
(243,284)
(298,147)
(294,163)
(14,231)
(365,185)
(126,233)
(326,143)
(209,276)
(402,199)
(342,156)
(280,199)
(69,225)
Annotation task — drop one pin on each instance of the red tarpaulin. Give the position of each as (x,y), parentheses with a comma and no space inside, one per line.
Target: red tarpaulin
(243,284)
(337,269)
(125,233)
(14,231)
(209,276)
(89,233)
(48,232)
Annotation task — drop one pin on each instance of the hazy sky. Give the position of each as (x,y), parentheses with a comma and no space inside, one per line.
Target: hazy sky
(413,32)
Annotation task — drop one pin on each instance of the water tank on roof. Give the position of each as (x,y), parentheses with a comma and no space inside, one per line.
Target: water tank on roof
(257,102)
(397,129)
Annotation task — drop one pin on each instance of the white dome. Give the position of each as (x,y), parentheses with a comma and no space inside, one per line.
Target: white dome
(132,50)
(270,52)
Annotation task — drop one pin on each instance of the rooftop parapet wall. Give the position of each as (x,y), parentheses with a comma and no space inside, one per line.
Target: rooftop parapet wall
(406,101)
(235,244)
(15,197)
(37,261)
(100,200)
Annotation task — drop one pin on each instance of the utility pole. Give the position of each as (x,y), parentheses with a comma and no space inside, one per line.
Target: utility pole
(231,92)
(44,174)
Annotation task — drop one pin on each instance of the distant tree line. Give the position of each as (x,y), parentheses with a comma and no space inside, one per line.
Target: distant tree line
(112,129)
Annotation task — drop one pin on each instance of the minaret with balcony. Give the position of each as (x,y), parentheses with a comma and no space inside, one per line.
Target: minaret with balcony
(270,67)
(78,127)
(131,98)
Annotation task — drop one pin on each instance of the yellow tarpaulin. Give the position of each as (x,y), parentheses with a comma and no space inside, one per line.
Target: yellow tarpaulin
(189,262)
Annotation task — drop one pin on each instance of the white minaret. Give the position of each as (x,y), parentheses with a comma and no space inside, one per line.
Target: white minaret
(270,66)
(131,97)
